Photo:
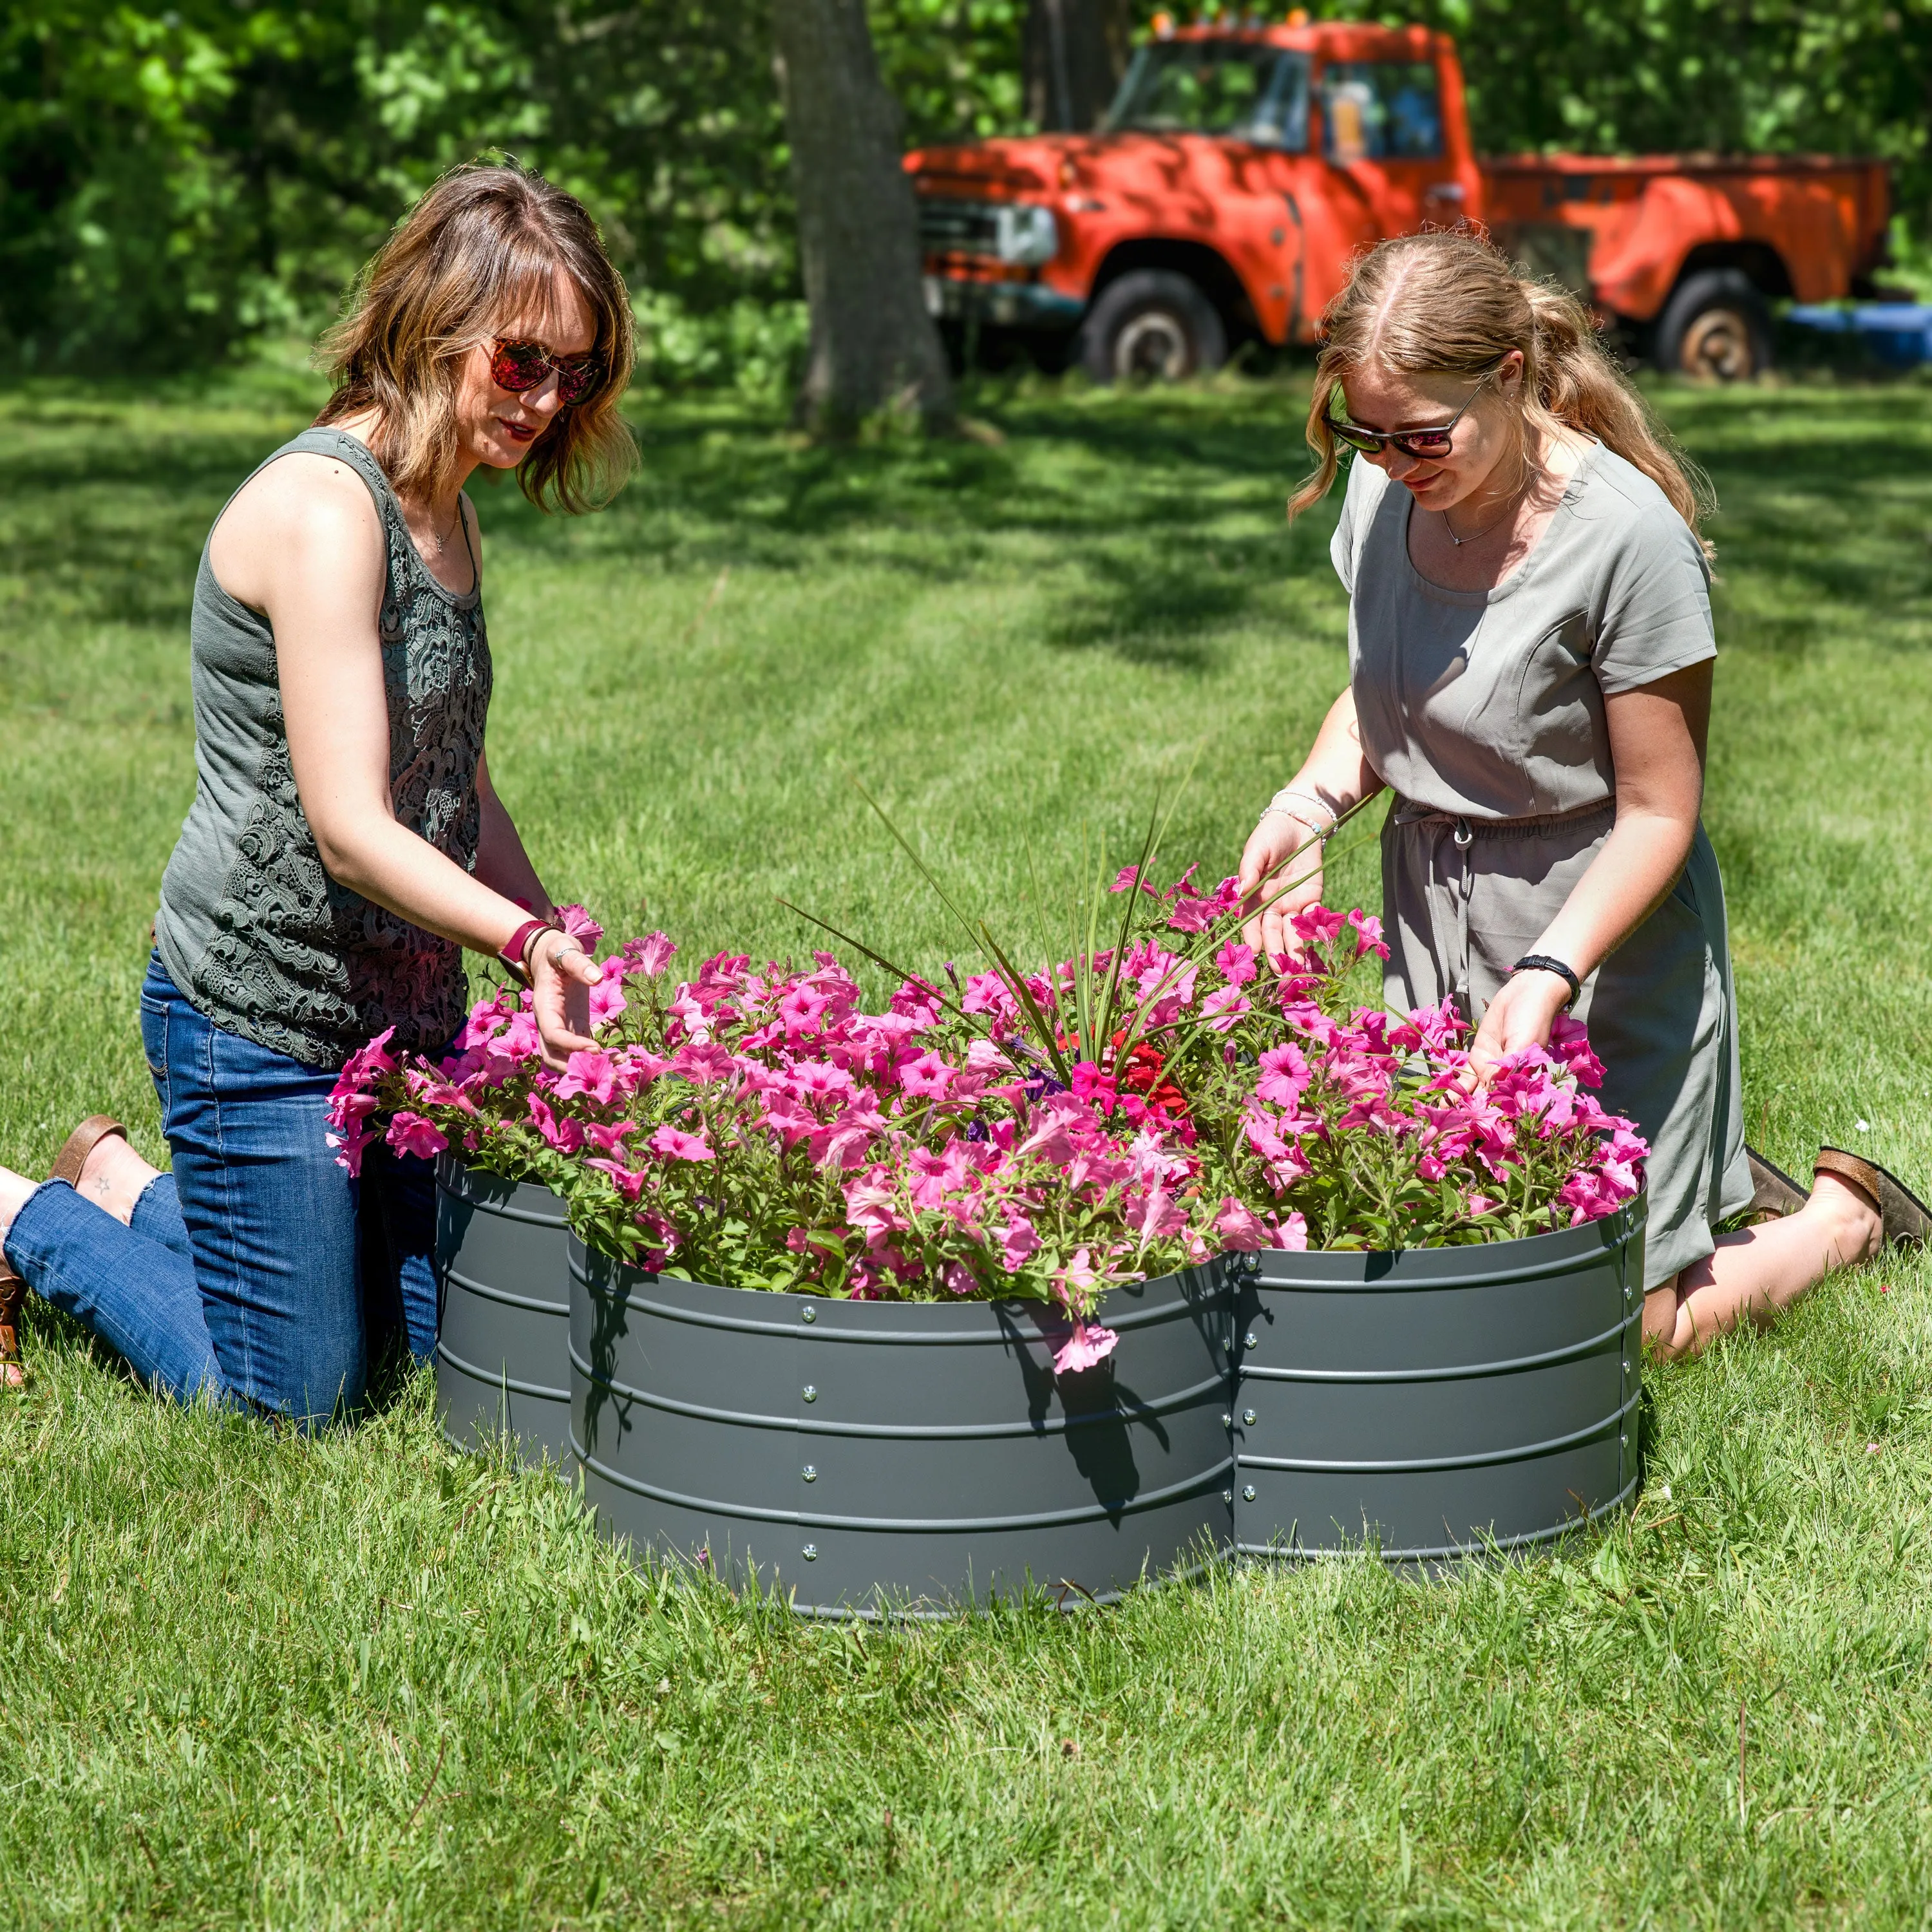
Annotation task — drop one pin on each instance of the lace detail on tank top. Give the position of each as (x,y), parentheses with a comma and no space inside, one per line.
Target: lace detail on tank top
(300,963)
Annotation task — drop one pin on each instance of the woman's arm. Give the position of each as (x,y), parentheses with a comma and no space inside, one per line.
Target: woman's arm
(1657,734)
(311,549)
(502,863)
(1281,850)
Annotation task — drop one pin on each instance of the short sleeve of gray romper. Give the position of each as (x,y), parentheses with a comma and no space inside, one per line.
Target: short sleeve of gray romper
(1491,702)
(1484,710)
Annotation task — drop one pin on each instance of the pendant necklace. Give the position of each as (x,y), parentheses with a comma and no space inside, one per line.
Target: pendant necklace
(1476,536)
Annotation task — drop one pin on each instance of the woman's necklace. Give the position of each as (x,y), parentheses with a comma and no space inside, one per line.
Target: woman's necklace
(1508,511)
(440,540)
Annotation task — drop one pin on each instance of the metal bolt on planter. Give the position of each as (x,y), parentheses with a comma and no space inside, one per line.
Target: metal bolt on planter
(810,1393)
(810,1474)
(1248,1417)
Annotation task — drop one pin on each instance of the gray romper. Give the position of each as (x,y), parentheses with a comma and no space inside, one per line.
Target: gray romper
(1483,712)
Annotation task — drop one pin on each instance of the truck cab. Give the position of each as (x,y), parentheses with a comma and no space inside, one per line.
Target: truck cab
(1242,168)
(1236,174)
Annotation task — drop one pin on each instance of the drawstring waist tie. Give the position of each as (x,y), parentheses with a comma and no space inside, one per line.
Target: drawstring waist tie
(1456,832)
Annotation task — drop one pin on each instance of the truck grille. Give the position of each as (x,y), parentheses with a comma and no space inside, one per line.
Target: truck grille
(959,227)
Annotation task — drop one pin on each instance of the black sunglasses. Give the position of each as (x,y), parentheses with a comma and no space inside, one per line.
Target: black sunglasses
(1423,444)
(520,366)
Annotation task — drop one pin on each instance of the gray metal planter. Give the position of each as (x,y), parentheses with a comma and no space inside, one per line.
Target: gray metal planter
(502,1350)
(869,1457)
(1437,1399)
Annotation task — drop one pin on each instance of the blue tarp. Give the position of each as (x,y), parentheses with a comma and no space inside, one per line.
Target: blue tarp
(1898,333)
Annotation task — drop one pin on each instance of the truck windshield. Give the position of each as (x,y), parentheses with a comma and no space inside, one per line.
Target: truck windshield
(1380,110)
(1245,88)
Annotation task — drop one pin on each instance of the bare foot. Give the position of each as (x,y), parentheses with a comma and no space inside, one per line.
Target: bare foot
(15,1191)
(115,1177)
(1853,1228)
(1758,1272)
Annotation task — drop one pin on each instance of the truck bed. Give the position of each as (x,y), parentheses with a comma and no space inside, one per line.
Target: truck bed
(1622,228)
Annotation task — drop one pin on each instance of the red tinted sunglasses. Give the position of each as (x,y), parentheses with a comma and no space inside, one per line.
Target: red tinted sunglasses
(1423,445)
(519,366)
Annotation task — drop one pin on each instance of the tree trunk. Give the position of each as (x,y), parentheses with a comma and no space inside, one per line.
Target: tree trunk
(873,346)
(1074,51)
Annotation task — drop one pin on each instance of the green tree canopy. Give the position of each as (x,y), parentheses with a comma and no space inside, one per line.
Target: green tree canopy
(174,182)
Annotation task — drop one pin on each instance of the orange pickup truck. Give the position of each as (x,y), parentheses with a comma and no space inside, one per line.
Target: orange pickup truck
(1241,167)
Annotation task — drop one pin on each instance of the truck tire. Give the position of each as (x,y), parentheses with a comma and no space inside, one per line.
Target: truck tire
(1714,328)
(1152,325)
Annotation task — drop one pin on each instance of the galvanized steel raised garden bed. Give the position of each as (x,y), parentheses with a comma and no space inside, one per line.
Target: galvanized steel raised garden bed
(502,1351)
(874,1457)
(1439,1401)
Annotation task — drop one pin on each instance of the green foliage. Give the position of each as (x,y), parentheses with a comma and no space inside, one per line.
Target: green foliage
(175,184)
(1728,77)
(251,1680)
(954,65)
(180,182)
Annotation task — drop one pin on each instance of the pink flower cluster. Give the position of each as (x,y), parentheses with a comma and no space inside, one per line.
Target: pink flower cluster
(1359,1128)
(1045,1136)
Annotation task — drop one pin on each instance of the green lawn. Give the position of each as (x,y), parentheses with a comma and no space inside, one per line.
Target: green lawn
(245,1679)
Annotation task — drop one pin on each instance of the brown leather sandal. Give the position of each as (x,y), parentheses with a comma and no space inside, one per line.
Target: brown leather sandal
(14,1373)
(1773,1193)
(72,1159)
(1907,1219)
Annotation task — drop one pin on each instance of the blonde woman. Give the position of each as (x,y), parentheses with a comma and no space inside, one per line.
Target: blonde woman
(345,842)
(1530,647)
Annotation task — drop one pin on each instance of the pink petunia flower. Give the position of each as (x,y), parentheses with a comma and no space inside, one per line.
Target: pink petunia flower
(674,1144)
(1087,1347)
(1223,1008)
(1236,963)
(648,956)
(410,1133)
(593,1075)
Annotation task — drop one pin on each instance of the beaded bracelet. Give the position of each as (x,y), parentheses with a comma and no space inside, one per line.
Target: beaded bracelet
(1279,803)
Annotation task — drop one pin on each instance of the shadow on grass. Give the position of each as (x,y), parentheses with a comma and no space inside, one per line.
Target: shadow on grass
(1142,497)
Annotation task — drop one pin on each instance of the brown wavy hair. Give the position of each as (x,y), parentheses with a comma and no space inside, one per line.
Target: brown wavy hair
(485,242)
(1452,303)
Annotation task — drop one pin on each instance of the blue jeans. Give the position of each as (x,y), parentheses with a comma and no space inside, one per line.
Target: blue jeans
(257,1272)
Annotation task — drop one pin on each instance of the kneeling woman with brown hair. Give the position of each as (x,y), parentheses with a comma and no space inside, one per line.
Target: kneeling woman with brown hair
(345,842)
(1530,648)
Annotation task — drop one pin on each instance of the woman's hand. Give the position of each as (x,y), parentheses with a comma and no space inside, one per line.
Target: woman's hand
(1282,852)
(562,974)
(1521,1014)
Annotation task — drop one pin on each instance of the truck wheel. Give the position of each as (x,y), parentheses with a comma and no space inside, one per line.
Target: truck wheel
(1714,328)
(1152,325)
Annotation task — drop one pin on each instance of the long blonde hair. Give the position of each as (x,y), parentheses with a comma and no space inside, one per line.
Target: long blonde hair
(1446,303)
(486,240)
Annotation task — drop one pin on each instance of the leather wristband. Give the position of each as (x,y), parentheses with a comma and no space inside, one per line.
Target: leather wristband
(515,951)
(1542,962)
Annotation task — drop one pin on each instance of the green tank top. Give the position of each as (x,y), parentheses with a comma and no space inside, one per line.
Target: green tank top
(251,928)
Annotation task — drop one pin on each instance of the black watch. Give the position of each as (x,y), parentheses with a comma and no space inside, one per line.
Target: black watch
(1542,962)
